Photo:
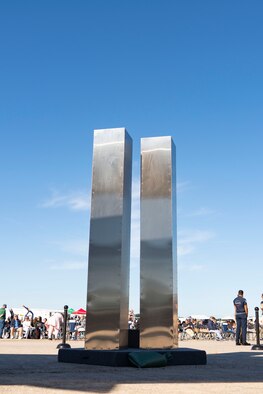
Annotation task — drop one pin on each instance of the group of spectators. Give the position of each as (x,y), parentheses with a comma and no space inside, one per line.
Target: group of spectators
(36,327)
(29,326)
(237,329)
(133,321)
(194,329)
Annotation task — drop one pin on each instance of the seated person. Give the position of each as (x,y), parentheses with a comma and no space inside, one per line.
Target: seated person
(44,328)
(27,327)
(203,326)
(228,327)
(180,326)
(189,327)
(6,330)
(250,325)
(72,328)
(16,326)
(213,327)
(37,327)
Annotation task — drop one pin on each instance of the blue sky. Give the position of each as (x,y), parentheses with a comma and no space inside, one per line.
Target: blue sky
(190,69)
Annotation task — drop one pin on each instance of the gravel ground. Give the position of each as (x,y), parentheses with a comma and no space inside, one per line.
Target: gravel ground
(30,366)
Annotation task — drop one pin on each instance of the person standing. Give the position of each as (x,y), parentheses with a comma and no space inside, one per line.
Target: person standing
(241,313)
(54,324)
(2,319)
(261,304)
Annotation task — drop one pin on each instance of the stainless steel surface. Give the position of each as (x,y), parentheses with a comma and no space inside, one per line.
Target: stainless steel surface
(109,245)
(158,260)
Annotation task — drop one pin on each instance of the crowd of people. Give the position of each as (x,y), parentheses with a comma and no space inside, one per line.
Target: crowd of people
(212,328)
(30,327)
(239,329)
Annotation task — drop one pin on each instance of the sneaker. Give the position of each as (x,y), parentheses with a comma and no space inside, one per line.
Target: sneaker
(238,344)
(246,344)
(12,337)
(20,337)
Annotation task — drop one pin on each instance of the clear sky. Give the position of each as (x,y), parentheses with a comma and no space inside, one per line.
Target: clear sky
(190,69)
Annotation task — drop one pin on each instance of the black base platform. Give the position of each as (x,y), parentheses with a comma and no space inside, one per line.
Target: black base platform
(119,358)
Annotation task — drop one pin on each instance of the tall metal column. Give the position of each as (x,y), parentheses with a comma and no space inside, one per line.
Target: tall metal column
(109,245)
(158,259)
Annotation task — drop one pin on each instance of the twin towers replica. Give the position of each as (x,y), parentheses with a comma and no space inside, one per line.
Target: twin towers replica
(106,337)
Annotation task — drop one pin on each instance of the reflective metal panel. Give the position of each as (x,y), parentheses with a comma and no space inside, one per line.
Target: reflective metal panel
(109,245)
(158,260)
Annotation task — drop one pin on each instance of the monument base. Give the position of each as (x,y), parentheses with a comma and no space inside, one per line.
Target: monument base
(119,358)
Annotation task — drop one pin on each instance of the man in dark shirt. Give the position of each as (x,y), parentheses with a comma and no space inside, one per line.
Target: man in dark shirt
(241,312)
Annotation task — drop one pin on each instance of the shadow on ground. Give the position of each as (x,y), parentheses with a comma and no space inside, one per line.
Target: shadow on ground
(44,371)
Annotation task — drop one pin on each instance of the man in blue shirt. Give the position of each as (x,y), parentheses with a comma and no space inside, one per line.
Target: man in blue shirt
(241,312)
(16,326)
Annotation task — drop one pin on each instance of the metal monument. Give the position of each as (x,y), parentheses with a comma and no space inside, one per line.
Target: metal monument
(158,260)
(109,245)
(108,340)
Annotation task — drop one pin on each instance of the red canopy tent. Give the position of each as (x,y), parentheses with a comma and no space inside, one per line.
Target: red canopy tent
(79,312)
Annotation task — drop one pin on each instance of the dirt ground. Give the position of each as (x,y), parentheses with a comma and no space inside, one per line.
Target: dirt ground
(30,366)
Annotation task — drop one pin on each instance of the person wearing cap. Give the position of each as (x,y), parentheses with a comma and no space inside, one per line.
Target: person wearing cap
(241,312)
(2,319)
